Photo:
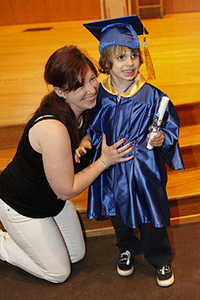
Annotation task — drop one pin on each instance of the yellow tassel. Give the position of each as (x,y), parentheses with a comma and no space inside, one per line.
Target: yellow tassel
(148,61)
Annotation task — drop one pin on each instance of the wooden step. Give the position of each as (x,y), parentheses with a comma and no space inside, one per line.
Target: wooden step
(180,185)
(189,142)
(183,184)
(6,156)
(190,154)
(189,135)
(10,135)
(183,191)
(184,201)
(189,115)
(183,187)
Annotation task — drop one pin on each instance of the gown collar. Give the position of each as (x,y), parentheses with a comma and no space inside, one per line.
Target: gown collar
(130,91)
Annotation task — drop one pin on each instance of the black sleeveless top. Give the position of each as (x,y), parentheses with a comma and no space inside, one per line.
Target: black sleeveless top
(23,184)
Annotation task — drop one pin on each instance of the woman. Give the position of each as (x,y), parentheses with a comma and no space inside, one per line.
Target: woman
(43,232)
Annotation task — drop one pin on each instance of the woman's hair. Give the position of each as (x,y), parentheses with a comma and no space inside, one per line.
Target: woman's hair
(66,68)
(106,58)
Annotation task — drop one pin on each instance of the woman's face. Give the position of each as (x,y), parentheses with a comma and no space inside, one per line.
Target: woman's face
(85,96)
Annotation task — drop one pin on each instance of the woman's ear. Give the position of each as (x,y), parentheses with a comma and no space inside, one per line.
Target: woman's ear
(59,92)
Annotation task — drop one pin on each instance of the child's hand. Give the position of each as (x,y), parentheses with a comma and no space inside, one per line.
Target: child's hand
(157,140)
(82,149)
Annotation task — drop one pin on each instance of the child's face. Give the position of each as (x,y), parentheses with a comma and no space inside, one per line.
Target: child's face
(125,65)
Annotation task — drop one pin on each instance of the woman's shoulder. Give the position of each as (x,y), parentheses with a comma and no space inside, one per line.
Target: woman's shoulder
(47,133)
(49,124)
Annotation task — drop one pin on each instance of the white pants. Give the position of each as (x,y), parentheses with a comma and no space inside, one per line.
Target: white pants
(43,247)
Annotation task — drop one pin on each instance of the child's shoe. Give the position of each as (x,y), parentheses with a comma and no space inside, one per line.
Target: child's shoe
(165,276)
(125,264)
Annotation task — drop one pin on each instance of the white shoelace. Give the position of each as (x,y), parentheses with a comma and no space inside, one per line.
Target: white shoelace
(127,257)
(164,269)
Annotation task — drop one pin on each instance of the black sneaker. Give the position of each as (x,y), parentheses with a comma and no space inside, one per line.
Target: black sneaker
(165,276)
(125,264)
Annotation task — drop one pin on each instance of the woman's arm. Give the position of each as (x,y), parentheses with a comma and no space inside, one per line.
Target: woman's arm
(52,140)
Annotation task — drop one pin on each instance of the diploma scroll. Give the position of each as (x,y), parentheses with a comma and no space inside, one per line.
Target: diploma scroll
(159,117)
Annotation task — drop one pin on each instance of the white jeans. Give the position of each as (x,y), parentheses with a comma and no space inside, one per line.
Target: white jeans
(43,247)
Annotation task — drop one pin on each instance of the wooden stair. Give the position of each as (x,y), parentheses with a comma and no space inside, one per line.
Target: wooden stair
(183,187)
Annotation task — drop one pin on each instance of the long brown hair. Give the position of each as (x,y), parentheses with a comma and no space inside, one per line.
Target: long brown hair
(66,69)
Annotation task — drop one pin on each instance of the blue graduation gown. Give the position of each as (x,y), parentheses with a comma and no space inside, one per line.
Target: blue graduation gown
(137,188)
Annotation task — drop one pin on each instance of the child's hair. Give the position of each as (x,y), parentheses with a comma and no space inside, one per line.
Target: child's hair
(106,58)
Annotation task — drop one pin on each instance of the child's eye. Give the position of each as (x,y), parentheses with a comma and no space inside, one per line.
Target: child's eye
(93,78)
(120,57)
(134,56)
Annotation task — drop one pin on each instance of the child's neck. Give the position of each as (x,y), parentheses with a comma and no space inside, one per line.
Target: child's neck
(120,87)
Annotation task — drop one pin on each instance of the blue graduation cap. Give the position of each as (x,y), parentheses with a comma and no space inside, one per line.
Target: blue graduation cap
(118,31)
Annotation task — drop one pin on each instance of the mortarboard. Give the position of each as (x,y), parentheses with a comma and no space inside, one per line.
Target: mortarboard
(118,31)
(123,32)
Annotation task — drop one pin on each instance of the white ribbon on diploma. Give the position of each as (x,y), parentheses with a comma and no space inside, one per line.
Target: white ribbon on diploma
(159,117)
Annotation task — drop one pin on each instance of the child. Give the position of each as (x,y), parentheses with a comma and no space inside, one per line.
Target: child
(132,194)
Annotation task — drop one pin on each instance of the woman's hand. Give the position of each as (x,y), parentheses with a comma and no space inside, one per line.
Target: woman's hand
(114,154)
(157,140)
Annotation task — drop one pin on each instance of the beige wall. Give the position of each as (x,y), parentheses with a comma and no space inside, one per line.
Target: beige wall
(39,11)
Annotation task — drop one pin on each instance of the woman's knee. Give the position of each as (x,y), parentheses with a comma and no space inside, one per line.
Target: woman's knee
(57,276)
(82,252)
(79,255)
